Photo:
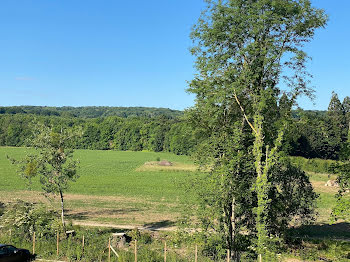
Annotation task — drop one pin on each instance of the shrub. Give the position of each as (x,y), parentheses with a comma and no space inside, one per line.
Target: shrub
(141,237)
(23,219)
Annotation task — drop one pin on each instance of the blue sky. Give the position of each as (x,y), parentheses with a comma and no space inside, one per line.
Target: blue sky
(130,53)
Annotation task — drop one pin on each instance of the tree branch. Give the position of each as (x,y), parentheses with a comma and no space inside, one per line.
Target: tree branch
(242,109)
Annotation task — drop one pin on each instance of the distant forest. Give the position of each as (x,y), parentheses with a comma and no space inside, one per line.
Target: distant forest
(92,111)
(312,134)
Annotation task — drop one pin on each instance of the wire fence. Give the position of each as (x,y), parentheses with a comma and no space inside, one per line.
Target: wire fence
(102,246)
(80,248)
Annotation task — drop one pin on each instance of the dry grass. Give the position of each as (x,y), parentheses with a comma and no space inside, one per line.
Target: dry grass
(36,197)
(319,187)
(136,212)
(154,166)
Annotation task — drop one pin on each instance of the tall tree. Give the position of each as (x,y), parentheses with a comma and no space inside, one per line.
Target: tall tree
(336,126)
(53,161)
(346,107)
(242,48)
(345,150)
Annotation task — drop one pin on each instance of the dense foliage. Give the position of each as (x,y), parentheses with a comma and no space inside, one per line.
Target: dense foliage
(244,50)
(342,206)
(22,219)
(312,134)
(137,133)
(322,135)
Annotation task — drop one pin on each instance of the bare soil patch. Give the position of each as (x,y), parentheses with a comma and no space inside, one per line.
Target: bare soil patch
(128,227)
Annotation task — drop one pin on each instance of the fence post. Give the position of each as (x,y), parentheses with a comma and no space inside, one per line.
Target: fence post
(165,251)
(33,243)
(58,239)
(109,249)
(83,244)
(135,250)
(196,254)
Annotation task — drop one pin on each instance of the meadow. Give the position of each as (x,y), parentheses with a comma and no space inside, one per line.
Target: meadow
(122,187)
(113,186)
(126,189)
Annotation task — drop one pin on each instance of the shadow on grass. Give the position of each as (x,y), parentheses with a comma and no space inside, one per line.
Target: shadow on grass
(2,208)
(84,215)
(159,224)
(340,231)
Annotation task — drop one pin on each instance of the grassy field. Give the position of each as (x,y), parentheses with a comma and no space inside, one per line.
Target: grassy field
(127,188)
(109,173)
(315,165)
(113,187)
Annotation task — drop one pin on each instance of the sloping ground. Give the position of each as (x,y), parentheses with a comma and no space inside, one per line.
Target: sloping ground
(107,210)
(110,190)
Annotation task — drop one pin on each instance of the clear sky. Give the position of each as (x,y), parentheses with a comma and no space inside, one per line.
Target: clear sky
(130,53)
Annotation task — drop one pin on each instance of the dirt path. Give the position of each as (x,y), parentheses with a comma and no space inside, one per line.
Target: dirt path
(48,260)
(127,227)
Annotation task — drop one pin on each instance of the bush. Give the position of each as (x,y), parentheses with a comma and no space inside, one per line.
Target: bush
(141,237)
(23,219)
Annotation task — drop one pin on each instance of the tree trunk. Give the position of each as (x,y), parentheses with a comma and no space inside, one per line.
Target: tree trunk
(233,226)
(260,185)
(62,210)
(230,229)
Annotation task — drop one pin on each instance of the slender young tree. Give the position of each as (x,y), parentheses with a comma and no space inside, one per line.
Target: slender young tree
(242,49)
(53,161)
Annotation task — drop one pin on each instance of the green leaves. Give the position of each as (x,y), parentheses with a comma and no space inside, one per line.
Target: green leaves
(24,219)
(341,209)
(30,169)
(53,160)
(244,49)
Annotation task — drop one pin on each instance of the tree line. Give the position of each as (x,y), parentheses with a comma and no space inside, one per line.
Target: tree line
(91,111)
(110,133)
(311,134)
(322,134)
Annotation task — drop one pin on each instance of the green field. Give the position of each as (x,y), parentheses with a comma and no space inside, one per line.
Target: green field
(115,187)
(125,188)
(111,187)
(108,173)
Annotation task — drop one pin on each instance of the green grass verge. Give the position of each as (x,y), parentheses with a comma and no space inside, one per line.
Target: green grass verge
(315,165)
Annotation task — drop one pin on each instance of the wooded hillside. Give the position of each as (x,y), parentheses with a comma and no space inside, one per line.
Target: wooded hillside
(313,134)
